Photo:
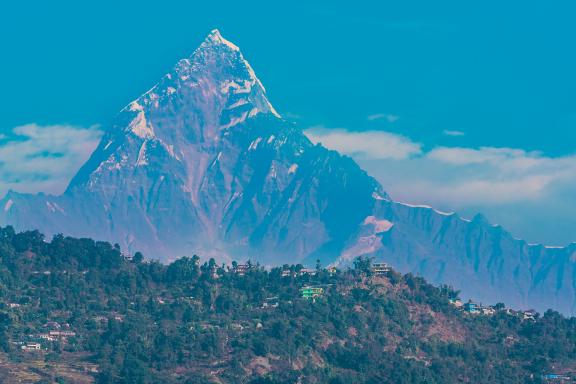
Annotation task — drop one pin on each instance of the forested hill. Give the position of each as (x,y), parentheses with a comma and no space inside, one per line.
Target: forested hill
(77,311)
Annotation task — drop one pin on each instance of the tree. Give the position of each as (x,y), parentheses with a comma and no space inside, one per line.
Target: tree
(138,258)
(363,264)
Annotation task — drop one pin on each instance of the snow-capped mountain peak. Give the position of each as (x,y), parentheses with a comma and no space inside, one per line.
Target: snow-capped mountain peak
(215,77)
(202,163)
(215,38)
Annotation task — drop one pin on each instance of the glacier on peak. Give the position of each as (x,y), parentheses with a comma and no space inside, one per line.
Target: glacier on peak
(215,37)
(216,65)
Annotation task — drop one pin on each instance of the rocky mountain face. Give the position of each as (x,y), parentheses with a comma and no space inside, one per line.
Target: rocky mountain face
(202,163)
(482,260)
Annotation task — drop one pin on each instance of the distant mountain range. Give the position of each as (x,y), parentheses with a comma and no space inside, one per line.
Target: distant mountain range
(202,163)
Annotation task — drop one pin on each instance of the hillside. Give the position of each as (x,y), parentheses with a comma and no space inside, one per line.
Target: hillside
(78,311)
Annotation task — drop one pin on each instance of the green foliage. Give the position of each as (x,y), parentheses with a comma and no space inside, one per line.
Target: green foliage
(145,322)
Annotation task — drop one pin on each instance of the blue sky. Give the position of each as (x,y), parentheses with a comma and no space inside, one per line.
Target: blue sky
(470,106)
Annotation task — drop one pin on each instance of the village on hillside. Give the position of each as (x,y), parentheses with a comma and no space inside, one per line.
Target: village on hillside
(312,284)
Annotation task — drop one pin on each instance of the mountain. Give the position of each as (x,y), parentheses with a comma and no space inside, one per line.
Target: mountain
(203,164)
(98,318)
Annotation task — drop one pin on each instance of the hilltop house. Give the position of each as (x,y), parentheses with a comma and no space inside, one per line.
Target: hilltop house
(241,269)
(62,333)
(488,311)
(529,314)
(456,302)
(270,302)
(286,272)
(380,269)
(100,319)
(53,325)
(471,308)
(46,337)
(311,292)
(31,347)
(308,271)
(555,377)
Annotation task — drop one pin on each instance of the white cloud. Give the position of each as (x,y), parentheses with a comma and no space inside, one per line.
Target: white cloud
(487,155)
(43,158)
(527,192)
(369,144)
(291,116)
(448,132)
(380,116)
(503,174)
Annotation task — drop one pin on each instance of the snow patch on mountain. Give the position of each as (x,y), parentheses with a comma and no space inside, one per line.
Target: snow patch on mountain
(215,37)
(377,196)
(53,207)
(254,144)
(8,205)
(379,225)
(139,125)
(235,121)
(142,160)
(237,104)
(427,207)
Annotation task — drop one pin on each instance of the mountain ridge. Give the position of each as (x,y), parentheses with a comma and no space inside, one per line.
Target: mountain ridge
(202,163)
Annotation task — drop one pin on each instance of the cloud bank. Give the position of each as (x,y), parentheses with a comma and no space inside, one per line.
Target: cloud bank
(447,132)
(367,144)
(528,192)
(37,158)
(383,116)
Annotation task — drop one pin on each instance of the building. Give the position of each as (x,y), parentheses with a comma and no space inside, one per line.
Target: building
(556,377)
(241,269)
(31,347)
(488,311)
(237,327)
(308,271)
(62,333)
(286,273)
(380,269)
(53,325)
(270,302)
(529,314)
(456,302)
(471,308)
(311,292)
(332,270)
